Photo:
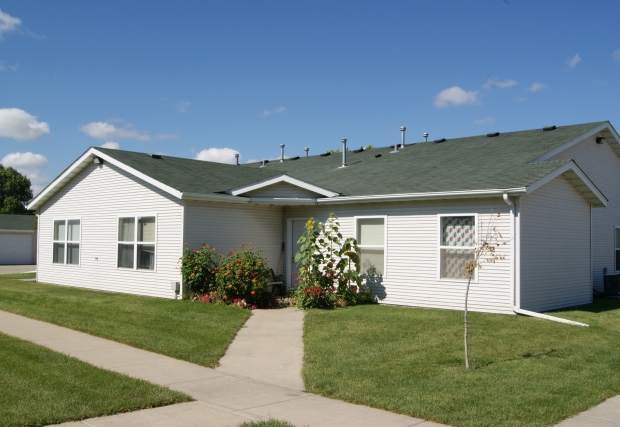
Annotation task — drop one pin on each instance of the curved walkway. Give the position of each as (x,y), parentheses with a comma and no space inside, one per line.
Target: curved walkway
(259,378)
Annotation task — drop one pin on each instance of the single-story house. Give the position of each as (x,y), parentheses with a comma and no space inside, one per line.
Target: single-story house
(119,221)
(17,239)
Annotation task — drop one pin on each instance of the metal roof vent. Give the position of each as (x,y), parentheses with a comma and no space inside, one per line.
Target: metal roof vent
(264,163)
(439,141)
(402,138)
(359,150)
(294,158)
(155,156)
(281,153)
(549,128)
(377,156)
(237,158)
(306,150)
(491,135)
(344,153)
(425,136)
(325,154)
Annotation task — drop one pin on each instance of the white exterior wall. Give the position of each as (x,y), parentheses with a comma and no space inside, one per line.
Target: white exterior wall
(282,190)
(602,165)
(226,226)
(555,247)
(98,196)
(412,264)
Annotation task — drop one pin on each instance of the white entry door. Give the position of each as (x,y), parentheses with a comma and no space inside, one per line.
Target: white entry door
(297,228)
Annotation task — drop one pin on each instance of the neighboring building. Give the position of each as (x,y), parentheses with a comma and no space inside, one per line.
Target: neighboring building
(18,240)
(118,220)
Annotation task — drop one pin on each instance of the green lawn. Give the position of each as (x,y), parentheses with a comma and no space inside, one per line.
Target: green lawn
(527,372)
(40,387)
(186,330)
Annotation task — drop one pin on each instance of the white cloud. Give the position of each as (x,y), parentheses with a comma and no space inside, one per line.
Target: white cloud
(503,84)
(616,55)
(8,23)
(28,164)
(183,106)
(274,111)
(573,61)
(483,121)
(218,155)
(167,136)
(4,67)
(19,125)
(111,144)
(536,87)
(455,96)
(105,130)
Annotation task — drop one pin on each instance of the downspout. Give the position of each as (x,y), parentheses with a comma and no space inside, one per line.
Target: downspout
(515,285)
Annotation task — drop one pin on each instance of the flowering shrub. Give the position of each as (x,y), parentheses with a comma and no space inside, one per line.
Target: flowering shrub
(214,297)
(242,275)
(198,270)
(329,267)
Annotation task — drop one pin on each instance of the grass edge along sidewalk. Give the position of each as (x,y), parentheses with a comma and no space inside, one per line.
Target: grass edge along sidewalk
(186,330)
(42,387)
(526,371)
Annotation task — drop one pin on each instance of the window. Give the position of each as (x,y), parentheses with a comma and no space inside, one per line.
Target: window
(136,243)
(457,242)
(66,241)
(371,241)
(617,248)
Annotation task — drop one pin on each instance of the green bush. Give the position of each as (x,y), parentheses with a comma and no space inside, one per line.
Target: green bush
(242,276)
(198,269)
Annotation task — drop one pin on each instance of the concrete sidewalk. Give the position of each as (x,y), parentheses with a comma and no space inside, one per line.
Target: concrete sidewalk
(16,269)
(222,398)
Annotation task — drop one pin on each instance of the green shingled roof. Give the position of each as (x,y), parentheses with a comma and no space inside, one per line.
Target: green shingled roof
(461,164)
(17,222)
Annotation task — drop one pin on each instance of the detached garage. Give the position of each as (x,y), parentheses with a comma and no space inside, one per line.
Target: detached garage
(17,240)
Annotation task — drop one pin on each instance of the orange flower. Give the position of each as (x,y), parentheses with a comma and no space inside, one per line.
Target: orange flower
(252,292)
(229,286)
(196,251)
(253,280)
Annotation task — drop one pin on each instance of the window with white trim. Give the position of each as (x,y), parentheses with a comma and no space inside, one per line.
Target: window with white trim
(457,242)
(136,242)
(371,241)
(617,247)
(66,241)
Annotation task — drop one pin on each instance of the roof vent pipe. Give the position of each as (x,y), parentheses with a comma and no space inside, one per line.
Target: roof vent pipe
(237,158)
(344,152)
(402,139)
(306,150)
(395,149)
(425,135)
(281,153)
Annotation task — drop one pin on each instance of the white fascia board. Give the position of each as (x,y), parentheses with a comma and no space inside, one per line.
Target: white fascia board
(425,196)
(214,198)
(570,143)
(80,164)
(282,178)
(283,201)
(576,177)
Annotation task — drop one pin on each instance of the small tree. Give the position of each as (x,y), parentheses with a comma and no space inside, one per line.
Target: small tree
(14,191)
(485,251)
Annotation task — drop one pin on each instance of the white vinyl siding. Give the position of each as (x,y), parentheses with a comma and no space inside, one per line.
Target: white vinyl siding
(226,226)
(602,165)
(99,195)
(282,190)
(555,247)
(412,252)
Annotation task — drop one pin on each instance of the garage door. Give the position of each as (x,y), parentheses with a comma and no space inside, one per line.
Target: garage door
(17,249)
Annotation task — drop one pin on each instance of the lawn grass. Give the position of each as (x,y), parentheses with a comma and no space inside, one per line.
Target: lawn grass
(526,371)
(40,387)
(268,423)
(187,330)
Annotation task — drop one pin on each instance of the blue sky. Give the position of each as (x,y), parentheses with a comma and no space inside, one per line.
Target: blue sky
(202,79)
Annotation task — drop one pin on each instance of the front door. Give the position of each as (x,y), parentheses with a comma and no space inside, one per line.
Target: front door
(297,227)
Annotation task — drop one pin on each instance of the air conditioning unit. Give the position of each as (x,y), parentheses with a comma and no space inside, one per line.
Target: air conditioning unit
(612,285)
